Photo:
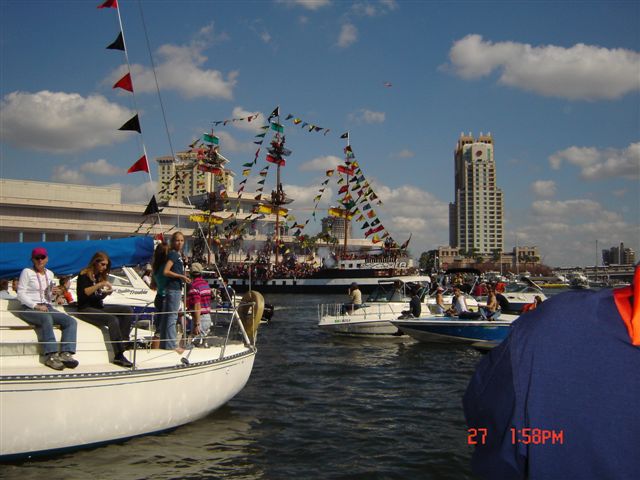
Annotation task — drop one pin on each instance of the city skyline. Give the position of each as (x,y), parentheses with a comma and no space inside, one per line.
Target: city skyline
(557,87)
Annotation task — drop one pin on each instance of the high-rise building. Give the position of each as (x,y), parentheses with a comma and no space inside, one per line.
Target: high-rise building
(477,214)
(618,256)
(182,178)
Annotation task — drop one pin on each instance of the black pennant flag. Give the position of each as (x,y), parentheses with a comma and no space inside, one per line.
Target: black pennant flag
(118,44)
(132,125)
(152,207)
(345,135)
(275,113)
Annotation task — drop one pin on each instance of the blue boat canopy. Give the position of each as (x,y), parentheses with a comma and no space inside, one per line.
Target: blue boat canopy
(68,258)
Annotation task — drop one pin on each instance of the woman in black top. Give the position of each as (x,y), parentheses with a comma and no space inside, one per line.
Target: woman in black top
(93,287)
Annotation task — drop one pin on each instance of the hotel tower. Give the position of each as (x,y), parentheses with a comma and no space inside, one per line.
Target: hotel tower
(476,216)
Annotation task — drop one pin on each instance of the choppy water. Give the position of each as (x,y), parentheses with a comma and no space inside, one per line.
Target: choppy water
(316,407)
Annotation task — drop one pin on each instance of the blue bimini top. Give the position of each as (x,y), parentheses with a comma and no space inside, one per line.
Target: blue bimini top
(560,397)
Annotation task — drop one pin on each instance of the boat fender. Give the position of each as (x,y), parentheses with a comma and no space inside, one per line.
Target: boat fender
(250,312)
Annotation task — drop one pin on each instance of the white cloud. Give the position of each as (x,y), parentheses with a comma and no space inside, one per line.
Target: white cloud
(252,126)
(101,167)
(308,4)
(137,193)
(321,163)
(404,153)
(367,116)
(65,174)
(61,122)
(228,143)
(88,173)
(565,231)
(180,68)
(371,9)
(348,35)
(581,72)
(304,201)
(599,164)
(544,188)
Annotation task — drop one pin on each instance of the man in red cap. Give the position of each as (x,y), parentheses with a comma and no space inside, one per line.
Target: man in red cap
(36,291)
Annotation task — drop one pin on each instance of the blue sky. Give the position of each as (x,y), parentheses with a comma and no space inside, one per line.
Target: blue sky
(556,83)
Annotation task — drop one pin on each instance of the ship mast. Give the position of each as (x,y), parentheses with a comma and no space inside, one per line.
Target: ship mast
(346,210)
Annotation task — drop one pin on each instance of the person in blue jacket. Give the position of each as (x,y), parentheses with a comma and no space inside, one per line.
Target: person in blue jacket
(560,397)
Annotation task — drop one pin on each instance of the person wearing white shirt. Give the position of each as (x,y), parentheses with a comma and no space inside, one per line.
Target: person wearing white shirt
(36,289)
(5,294)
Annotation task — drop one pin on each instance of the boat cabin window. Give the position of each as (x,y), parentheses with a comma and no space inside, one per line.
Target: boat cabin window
(117,278)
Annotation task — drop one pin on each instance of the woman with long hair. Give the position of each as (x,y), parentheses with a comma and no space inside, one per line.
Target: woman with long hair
(159,283)
(175,277)
(93,287)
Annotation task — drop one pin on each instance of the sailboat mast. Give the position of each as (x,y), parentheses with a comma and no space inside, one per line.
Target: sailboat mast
(346,210)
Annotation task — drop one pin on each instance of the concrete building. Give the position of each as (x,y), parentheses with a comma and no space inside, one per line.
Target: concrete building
(183,178)
(476,216)
(43,211)
(618,256)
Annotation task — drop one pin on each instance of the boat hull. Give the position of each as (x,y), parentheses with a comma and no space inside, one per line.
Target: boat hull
(367,282)
(45,413)
(342,326)
(453,330)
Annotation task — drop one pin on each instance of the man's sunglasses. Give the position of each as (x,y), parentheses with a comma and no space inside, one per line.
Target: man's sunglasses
(40,257)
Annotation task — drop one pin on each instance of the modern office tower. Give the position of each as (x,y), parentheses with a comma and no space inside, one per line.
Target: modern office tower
(476,216)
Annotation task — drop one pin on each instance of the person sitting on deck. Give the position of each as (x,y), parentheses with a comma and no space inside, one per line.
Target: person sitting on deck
(92,288)
(415,306)
(355,295)
(492,310)
(35,291)
(459,306)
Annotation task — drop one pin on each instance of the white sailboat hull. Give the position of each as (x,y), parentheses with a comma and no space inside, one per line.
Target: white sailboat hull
(49,412)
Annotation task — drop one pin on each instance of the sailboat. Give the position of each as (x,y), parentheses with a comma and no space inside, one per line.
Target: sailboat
(45,411)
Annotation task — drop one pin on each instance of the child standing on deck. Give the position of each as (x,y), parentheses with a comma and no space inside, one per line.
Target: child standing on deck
(199,304)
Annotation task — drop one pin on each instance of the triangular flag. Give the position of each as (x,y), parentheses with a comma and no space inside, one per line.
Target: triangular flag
(152,207)
(118,43)
(109,4)
(140,166)
(124,83)
(289,117)
(345,135)
(275,113)
(132,125)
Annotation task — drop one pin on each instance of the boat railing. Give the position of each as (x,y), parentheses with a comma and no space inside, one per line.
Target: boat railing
(142,335)
(366,311)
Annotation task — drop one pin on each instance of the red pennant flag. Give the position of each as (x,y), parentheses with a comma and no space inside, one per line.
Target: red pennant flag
(124,83)
(109,4)
(345,170)
(140,166)
(343,189)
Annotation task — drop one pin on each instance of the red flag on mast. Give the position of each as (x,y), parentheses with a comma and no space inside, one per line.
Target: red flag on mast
(125,83)
(109,4)
(140,166)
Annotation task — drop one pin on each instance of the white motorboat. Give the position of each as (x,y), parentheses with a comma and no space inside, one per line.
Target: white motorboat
(387,302)
(518,294)
(43,411)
